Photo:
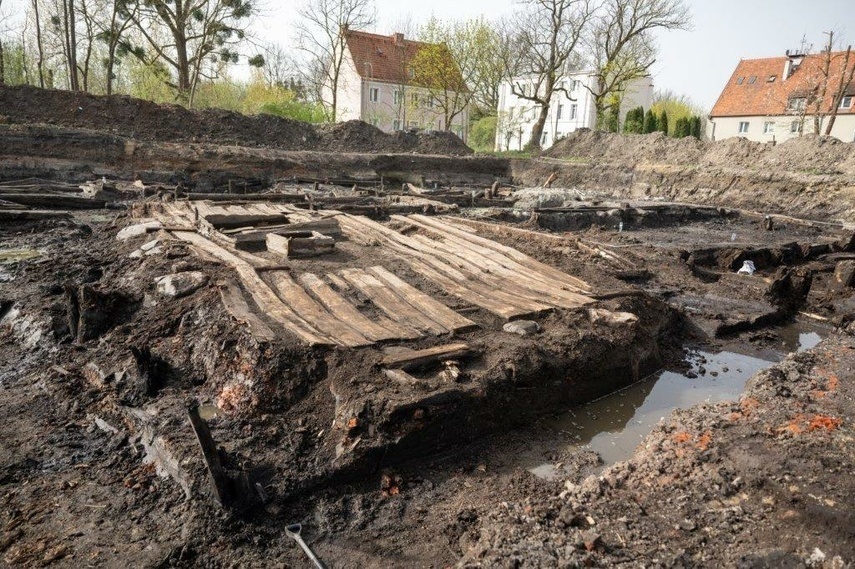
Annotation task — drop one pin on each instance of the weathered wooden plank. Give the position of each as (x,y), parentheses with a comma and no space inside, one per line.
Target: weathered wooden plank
(466,286)
(228,221)
(544,269)
(344,310)
(263,295)
(297,247)
(54,201)
(32,214)
(237,306)
(390,303)
(313,312)
(419,300)
(419,358)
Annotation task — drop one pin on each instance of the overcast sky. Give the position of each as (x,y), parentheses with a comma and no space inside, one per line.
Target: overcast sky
(695,63)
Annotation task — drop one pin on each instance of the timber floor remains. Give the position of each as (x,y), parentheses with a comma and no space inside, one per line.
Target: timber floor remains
(271,292)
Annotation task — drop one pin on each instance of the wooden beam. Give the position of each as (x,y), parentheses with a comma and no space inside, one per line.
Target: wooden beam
(55,201)
(419,358)
(237,306)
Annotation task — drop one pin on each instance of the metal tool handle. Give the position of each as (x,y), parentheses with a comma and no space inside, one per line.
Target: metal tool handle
(293,531)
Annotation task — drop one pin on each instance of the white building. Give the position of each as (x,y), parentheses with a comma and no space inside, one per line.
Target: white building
(377,85)
(567,111)
(775,99)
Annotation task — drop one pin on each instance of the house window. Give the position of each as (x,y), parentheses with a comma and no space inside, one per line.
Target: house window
(846,102)
(573,110)
(796,104)
(411,72)
(560,111)
(771,79)
(743,127)
(413,124)
(397,97)
(575,85)
(752,80)
(414,99)
(768,127)
(740,81)
(543,138)
(373,94)
(396,124)
(796,126)
(429,102)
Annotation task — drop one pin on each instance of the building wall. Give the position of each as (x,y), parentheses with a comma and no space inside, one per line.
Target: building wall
(780,129)
(517,116)
(411,110)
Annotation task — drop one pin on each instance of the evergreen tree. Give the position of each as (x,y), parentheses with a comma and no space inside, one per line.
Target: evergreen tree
(650,122)
(663,122)
(696,127)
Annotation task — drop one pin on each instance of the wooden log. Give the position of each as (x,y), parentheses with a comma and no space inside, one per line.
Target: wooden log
(32,214)
(55,201)
(298,247)
(271,197)
(237,306)
(230,221)
(220,481)
(420,358)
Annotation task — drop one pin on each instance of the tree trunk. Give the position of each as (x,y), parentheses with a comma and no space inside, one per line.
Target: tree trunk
(111,60)
(183,63)
(537,130)
(845,80)
(40,63)
(72,46)
(2,66)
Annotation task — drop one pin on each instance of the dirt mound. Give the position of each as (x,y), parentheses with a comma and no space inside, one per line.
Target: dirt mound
(614,148)
(145,120)
(810,154)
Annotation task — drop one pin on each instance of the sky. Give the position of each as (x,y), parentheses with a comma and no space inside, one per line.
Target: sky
(694,63)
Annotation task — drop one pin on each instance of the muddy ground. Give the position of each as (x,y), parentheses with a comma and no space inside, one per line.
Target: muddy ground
(99,465)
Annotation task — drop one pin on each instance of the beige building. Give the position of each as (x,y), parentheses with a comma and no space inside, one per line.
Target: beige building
(378,85)
(778,98)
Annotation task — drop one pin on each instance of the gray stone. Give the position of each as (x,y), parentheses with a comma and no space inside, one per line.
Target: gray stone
(522,327)
(181,284)
(138,229)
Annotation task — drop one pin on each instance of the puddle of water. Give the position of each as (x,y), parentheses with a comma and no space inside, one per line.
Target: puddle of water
(15,255)
(209,412)
(614,425)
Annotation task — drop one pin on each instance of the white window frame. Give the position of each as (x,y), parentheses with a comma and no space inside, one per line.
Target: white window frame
(559,111)
(374,94)
(846,102)
(412,124)
(574,110)
(414,99)
(796,127)
(768,127)
(743,127)
(396,124)
(396,97)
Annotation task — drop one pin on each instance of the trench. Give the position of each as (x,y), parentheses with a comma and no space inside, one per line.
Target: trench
(614,425)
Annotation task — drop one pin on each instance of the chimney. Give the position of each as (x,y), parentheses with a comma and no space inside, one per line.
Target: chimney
(794,59)
(399,39)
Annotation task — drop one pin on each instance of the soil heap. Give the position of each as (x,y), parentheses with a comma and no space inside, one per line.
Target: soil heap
(145,120)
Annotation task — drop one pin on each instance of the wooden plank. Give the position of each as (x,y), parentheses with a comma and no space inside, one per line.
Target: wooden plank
(298,247)
(419,300)
(338,282)
(389,302)
(271,197)
(261,293)
(522,258)
(237,306)
(461,284)
(228,221)
(220,481)
(481,262)
(313,312)
(32,214)
(418,358)
(54,201)
(346,311)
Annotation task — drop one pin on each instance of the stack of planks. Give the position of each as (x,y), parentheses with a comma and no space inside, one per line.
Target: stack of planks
(480,271)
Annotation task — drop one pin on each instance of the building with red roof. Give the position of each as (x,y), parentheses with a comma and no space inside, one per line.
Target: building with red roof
(379,85)
(777,98)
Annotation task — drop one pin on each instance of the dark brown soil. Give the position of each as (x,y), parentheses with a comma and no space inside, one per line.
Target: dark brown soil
(144,120)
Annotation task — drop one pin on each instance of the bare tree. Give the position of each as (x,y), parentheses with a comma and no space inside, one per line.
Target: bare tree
(322,38)
(2,55)
(622,45)
(845,82)
(198,29)
(826,94)
(539,48)
(40,63)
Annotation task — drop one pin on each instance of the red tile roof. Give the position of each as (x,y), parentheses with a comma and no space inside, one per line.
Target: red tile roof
(385,58)
(751,91)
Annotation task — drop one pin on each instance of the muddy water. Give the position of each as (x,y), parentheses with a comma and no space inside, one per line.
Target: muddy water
(614,425)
